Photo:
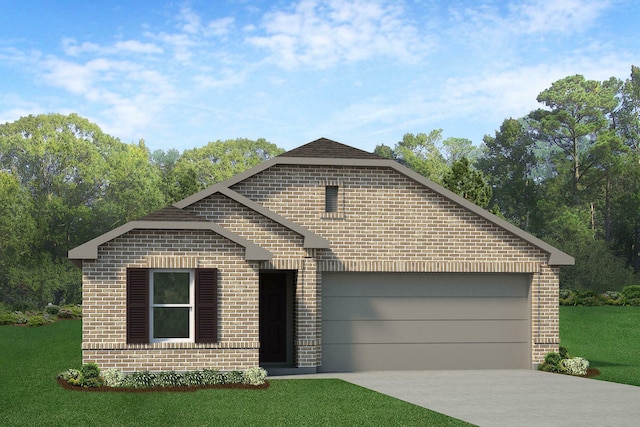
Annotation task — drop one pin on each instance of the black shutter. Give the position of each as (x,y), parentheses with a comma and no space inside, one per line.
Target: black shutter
(206,305)
(137,305)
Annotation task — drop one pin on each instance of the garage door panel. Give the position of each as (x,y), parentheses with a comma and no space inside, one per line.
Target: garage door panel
(373,308)
(413,285)
(367,357)
(436,331)
(382,321)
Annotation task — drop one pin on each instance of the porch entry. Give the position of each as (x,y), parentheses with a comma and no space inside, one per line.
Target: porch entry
(277,289)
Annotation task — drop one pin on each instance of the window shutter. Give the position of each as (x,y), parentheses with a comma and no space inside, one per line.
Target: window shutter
(137,305)
(206,305)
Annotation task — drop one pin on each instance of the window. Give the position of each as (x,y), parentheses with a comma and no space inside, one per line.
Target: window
(172,305)
(331,198)
(171,315)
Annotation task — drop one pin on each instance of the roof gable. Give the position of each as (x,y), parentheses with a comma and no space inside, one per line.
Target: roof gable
(319,152)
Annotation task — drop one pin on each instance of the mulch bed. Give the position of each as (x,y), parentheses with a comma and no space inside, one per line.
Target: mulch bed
(68,386)
(591,372)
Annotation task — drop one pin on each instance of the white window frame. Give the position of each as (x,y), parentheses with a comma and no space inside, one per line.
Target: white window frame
(191,306)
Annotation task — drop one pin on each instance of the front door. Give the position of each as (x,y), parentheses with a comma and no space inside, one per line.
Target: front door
(276,317)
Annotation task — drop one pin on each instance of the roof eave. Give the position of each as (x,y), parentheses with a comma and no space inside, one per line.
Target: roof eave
(89,250)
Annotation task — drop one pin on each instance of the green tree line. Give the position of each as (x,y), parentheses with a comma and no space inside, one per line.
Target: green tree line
(568,172)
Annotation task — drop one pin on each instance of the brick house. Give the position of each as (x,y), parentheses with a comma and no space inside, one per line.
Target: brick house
(325,258)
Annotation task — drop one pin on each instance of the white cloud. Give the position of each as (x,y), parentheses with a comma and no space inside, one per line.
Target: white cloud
(557,16)
(321,34)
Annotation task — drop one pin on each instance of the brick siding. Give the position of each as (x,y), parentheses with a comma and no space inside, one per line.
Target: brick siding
(385,222)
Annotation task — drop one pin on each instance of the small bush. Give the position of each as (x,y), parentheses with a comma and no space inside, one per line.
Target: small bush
(140,379)
(21,318)
(563,352)
(212,377)
(551,362)
(233,377)
(193,378)
(90,370)
(113,378)
(169,379)
(631,292)
(52,309)
(587,298)
(8,318)
(72,376)
(254,376)
(575,366)
(38,320)
(70,312)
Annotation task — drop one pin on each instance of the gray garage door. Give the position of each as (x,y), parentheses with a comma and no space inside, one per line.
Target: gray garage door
(389,321)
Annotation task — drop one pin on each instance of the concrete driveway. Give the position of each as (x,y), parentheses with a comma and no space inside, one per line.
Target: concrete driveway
(507,397)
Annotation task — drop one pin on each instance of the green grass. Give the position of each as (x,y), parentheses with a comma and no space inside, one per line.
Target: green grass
(30,358)
(607,336)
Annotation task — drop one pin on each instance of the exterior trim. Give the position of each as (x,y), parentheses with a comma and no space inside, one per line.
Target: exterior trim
(89,250)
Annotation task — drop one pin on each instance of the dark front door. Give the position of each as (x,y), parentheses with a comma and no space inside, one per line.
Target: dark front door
(275,317)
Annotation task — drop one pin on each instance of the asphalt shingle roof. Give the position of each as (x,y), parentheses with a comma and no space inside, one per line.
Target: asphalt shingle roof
(326,148)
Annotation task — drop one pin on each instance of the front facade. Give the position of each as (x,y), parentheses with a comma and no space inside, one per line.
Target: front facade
(325,258)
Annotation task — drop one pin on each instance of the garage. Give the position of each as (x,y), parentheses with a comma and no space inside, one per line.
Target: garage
(409,321)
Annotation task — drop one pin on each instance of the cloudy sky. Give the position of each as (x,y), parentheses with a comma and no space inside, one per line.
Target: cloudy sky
(181,73)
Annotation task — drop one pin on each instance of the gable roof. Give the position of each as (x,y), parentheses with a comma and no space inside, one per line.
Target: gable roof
(311,240)
(319,152)
(161,221)
(337,154)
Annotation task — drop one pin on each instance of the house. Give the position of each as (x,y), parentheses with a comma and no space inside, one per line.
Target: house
(325,258)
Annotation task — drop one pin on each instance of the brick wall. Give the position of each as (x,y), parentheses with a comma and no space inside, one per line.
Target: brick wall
(385,222)
(104,302)
(388,222)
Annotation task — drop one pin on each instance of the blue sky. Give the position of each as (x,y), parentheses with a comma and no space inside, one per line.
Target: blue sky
(181,73)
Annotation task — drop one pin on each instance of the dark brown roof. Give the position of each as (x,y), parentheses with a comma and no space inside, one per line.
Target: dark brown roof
(326,148)
(170,213)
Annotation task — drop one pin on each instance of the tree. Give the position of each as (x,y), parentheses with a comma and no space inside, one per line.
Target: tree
(455,149)
(420,153)
(468,183)
(76,182)
(507,163)
(627,119)
(577,114)
(199,168)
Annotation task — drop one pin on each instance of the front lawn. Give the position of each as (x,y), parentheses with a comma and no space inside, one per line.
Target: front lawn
(608,336)
(30,358)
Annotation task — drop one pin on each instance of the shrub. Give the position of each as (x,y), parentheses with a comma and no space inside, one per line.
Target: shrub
(72,376)
(254,376)
(90,370)
(233,377)
(567,297)
(140,379)
(38,320)
(169,379)
(563,352)
(632,291)
(586,297)
(21,318)
(212,377)
(193,378)
(8,318)
(70,312)
(113,378)
(551,362)
(575,366)
(52,309)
